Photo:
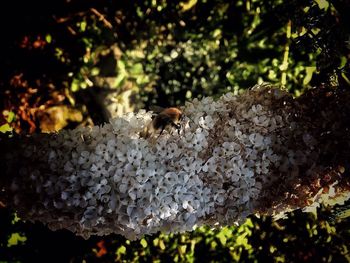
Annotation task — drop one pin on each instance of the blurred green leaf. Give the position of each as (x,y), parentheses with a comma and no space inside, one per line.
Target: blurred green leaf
(322,4)
(15,239)
(143,243)
(309,72)
(222,238)
(5,128)
(48,38)
(136,69)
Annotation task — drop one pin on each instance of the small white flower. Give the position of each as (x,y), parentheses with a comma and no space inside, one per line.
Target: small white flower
(165,211)
(143,191)
(187,204)
(68,167)
(98,169)
(118,175)
(158,169)
(130,170)
(219,197)
(247,173)
(231,148)
(134,156)
(127,183)
(84,157)
(252,154)
(121,152)
(64,195)
(132,193)
(263,121)
(199,141)
(256,139)
(76,199)
(136,123)
(73,178)
(192,179)
(170,179)
(210,165)
(234,174)
(172,151)
(234,123)
(143,175)
(160,192)
(257,109)
(102,151)
(162,147)
(218,152)
(229,97)
(206,122)
(188,164)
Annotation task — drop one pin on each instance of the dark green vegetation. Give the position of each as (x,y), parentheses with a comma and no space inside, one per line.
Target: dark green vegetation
(56,56)
(302,237)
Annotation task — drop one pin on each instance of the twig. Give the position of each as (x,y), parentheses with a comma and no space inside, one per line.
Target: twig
(102,18)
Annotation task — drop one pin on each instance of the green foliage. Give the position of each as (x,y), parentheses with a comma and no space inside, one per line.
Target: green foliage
(15,239)
(301,237)
(9,117)
(204,47)
(170,51)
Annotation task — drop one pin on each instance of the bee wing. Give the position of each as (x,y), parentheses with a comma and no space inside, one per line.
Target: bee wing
(156,109)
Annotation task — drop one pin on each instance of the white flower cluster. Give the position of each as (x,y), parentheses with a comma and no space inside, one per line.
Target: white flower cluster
(108,179)
(240,138)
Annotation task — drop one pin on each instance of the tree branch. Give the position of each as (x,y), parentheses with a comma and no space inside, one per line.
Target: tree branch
(260,152)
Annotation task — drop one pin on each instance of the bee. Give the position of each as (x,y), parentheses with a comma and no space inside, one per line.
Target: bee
(165,118)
